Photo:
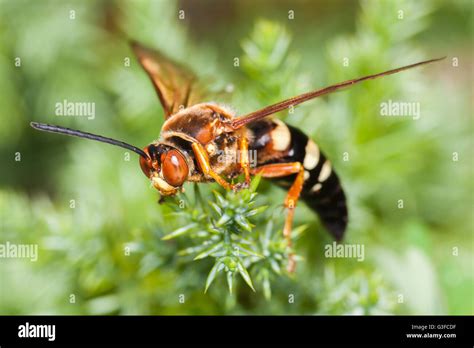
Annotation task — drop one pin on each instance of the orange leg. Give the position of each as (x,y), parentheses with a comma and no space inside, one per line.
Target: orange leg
(203,161)
(279,170)
(244,158)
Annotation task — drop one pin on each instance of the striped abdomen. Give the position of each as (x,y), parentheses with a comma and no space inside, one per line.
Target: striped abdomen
(277,142)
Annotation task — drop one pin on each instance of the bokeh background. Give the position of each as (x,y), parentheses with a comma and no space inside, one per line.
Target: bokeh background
(418,260)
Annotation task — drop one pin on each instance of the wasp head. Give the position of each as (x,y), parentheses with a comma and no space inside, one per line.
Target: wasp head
(166,167)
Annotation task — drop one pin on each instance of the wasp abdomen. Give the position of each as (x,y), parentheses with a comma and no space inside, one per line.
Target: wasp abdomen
(277,142)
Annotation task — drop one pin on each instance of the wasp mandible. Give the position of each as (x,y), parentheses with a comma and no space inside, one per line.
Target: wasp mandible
(194,135)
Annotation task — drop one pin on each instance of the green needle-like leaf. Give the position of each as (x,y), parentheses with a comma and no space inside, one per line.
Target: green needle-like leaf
(255,182)
(212,274)
(209,251)
(191,250)
(267,289)
(243,222)
(216,208)
(223,220)
(245,274)
(230,278)
(256,211)
(180,231)
(275,266)
(222,202)
(241,248)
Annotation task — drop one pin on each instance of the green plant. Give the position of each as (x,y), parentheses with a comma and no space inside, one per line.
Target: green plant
(225,229)
(108,251)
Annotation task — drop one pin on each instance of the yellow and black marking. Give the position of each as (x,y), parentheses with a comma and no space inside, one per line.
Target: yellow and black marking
(322,190)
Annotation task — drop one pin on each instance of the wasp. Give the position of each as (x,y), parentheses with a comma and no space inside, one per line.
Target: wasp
(196,133)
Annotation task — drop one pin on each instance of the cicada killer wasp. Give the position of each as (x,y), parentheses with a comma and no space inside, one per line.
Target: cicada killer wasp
(195,133)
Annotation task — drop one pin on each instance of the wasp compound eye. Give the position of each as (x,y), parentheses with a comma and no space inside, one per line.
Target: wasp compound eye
(175,169)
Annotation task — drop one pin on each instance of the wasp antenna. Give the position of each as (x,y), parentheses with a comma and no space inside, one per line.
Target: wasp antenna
(75,133)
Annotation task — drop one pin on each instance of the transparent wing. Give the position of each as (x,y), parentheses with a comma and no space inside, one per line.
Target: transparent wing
(271,109)
(175,85)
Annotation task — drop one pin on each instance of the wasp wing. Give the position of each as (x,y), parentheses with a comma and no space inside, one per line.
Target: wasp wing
(175,85)
(271,109)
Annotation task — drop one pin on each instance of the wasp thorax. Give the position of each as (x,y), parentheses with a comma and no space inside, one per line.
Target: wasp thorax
(166,167)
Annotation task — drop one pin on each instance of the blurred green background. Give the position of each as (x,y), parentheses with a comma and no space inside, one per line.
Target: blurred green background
(418,260)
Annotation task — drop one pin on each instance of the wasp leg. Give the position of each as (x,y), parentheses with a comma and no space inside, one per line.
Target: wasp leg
(244,158)
(203,161)
(276,170)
